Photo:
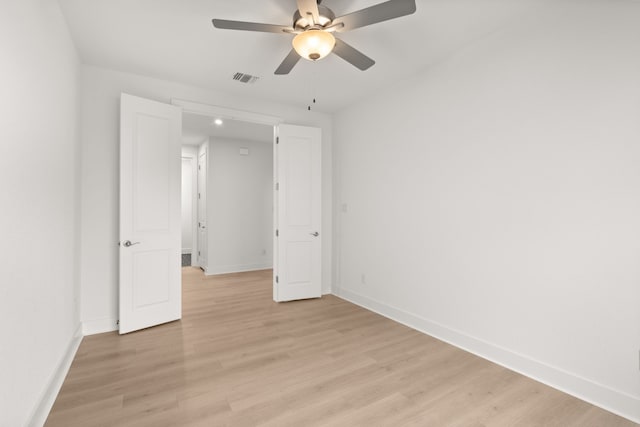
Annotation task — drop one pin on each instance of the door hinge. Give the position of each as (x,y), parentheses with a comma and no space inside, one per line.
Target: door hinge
(276,279)
(199,167)
(198,195)
(277,140)
(277,233)
(277,186)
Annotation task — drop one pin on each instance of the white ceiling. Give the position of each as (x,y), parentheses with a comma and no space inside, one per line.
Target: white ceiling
(175,40)
(197,128)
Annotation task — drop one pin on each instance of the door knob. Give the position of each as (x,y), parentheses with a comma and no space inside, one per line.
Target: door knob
(128,243)
(315,234)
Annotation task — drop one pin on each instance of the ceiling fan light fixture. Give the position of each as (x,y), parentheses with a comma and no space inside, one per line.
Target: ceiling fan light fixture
(314,44)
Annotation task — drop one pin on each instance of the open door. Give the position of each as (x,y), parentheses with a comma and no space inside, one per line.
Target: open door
(150,247)
(298,242)
(203,252)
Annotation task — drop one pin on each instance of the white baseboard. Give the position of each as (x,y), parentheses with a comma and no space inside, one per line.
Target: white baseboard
(241,268)
(48,397)
(615,401)
(99,326)
(186,251)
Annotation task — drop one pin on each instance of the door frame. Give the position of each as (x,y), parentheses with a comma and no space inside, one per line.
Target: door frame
(215,111)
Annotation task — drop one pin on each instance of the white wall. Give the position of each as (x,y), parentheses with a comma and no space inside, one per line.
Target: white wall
(100,92)
(494,201)
(39,201)
(240,206)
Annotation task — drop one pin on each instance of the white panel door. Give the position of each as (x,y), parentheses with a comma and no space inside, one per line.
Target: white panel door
(187,207)
(150,283)
(202,210)
(298,219)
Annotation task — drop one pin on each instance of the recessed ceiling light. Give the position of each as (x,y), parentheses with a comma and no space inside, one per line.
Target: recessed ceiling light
(218,122)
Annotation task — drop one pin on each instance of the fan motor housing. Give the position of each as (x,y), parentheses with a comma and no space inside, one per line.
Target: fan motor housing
(302,23)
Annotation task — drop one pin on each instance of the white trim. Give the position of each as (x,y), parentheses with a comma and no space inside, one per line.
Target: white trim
(615,401)
(240,268)
(226,113)
(186,251)
(99,326)
(49,394)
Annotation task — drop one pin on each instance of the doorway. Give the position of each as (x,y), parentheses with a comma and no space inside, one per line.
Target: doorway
(232,197)
(150,215)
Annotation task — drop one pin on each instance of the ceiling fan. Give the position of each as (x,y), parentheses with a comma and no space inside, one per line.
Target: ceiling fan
(314,25)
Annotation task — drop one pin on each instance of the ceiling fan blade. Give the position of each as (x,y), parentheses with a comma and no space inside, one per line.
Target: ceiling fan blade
(352,55)
(289,62)
(250,26)
(309,7)
(371,15)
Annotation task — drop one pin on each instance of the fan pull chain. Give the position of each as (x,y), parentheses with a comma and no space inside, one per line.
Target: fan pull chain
(313,89)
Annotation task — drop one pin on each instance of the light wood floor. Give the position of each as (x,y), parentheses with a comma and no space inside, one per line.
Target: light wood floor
(239,359)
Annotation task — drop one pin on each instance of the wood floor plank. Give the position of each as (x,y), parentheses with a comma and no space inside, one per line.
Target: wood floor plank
(239,359)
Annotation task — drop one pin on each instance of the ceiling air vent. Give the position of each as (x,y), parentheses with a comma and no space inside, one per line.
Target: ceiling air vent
(245,78)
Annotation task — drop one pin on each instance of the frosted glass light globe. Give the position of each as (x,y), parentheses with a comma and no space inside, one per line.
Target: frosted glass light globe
(314,44)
